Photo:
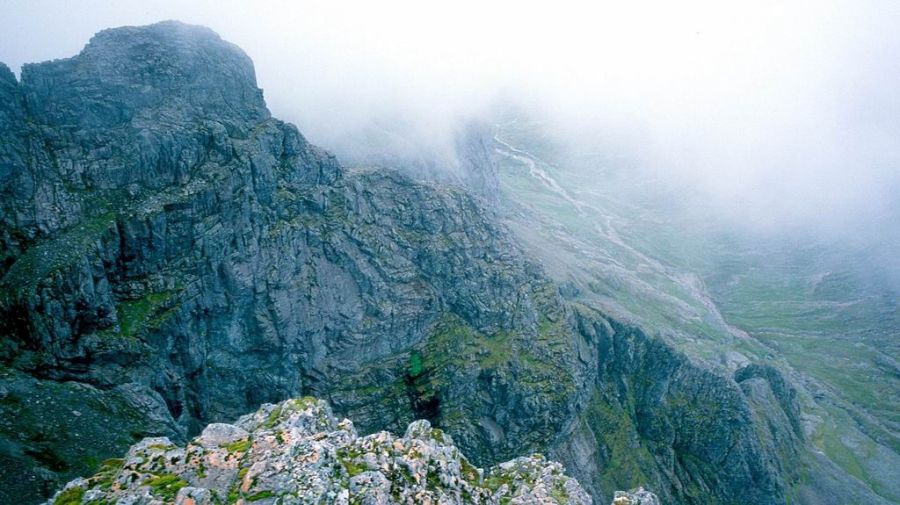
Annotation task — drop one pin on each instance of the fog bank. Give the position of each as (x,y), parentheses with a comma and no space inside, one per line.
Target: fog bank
(779,116)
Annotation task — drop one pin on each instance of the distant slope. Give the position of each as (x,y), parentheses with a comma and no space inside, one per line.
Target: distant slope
(623,244)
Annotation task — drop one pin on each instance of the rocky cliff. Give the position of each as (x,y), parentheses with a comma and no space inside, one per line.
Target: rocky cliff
(173,256)
(296,452)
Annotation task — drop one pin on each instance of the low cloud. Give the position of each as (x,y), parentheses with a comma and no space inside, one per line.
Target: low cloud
(779,116)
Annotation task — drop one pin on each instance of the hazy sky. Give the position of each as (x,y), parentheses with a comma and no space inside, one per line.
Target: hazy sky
(778,111)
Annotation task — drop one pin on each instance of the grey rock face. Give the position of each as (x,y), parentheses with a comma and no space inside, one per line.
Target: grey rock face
(169,67)
(686,432)
(296,452)
(477,168)
(136,106)
(162,234)
(51,429)
(639,496)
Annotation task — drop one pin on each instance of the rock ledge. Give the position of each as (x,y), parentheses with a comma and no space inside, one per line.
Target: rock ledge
(297,452)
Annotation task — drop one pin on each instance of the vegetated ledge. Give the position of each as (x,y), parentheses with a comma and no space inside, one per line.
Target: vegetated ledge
(296,452)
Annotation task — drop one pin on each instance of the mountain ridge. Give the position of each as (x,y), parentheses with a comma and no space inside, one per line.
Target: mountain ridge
(296,452)
(184,254)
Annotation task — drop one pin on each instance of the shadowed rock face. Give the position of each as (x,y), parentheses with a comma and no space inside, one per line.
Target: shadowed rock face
(137,106)
(185,257)
(134,75)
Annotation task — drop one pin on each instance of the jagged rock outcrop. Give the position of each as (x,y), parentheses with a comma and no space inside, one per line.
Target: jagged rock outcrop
(639,496)
(296,452)
(168,244)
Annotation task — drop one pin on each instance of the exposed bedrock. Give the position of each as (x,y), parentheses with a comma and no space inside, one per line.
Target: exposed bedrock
(175,256)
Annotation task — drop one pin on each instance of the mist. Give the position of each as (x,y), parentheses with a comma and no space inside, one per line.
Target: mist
(778,117)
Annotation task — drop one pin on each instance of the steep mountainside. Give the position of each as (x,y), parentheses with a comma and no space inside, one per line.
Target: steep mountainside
(639,250)
(173,256)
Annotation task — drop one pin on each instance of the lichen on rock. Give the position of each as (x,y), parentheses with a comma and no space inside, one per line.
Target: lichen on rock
(638,496)
(297,452)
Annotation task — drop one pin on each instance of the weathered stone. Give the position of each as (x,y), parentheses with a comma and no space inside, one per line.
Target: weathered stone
(297,453)
(216,434)
(639,496)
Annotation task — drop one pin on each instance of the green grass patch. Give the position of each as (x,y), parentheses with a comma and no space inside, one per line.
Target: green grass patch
(614,428)
(238,446)
(166,486)
(347,458)
(107,473)
(272,418)
(495,480)
(415,365)
(469,472)
(262,495)
(52,255)
(134,315)
(71,496)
